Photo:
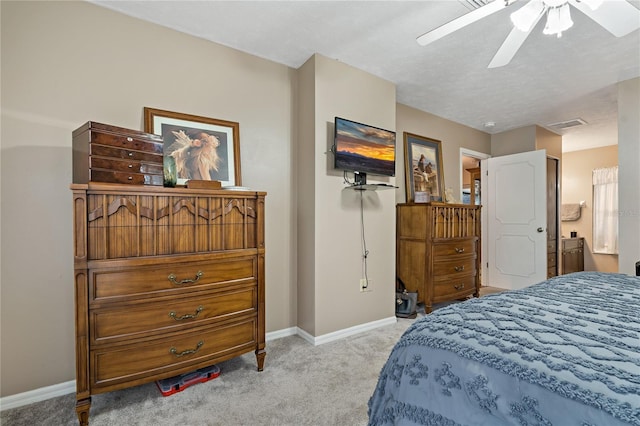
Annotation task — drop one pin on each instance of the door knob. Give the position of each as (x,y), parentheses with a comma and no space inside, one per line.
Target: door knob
(540,230)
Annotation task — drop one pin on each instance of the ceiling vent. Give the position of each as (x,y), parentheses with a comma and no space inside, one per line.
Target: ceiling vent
(474,4)
(561,125)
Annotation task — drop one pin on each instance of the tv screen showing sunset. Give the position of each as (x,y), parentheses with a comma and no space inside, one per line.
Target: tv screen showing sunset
(363,148)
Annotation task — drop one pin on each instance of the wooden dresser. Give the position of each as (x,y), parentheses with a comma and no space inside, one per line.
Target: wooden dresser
(438,250)
(167,281)
(572,255)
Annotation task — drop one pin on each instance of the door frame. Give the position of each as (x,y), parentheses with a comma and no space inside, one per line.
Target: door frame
(464,152)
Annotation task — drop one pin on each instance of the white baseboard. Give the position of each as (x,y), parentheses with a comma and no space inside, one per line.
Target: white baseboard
(48,392)
(285,332)
(37,395)
(341,334)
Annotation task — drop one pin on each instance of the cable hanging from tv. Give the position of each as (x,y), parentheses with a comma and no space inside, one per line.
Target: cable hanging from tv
(365,251)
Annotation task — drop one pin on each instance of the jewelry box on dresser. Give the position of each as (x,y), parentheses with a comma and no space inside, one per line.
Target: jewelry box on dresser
(166,281)
(438,250)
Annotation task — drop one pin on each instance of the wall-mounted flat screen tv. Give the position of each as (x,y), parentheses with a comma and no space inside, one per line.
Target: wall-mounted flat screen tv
(363,149)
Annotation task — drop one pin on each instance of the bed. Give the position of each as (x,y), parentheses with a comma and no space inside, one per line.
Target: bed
(562,352)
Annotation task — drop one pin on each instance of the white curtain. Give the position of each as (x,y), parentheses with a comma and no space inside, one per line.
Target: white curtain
(605,210)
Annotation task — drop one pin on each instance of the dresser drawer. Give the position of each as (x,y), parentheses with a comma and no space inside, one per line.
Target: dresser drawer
(452,288)
(145,359)
(124,177)
(454,248)
(130,321)
(129,166)
(124,154)
(168,279)
(462,266)
(129,141)
(572,243)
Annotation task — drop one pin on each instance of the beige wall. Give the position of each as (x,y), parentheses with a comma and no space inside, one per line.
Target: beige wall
(305,172)
(549,141)
(344,91)
(513,141)
(452,135)
(64,63)
(629,174)
(577,167)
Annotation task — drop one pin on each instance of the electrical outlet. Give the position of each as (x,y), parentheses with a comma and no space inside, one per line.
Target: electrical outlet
(365,285)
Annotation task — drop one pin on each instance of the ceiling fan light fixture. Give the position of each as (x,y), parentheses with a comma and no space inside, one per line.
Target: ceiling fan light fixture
(525,17)
(558,20)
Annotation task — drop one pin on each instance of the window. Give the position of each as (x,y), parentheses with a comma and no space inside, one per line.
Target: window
(605,210)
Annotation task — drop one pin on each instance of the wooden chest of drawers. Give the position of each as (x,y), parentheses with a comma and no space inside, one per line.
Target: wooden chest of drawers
(167,281)
(572,255)
(438,250)
(104,153)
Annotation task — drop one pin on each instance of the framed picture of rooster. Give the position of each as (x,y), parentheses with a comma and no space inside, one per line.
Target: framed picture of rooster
(202,148)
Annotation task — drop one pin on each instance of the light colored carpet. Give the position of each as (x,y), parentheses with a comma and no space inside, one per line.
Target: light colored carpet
(301,384)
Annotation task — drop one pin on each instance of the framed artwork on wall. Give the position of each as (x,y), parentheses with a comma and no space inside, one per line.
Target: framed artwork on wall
(424,177)
(202,148)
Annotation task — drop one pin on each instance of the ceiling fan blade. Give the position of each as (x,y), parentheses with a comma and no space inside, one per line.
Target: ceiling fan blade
(461,22)
(619,17)
(511,45)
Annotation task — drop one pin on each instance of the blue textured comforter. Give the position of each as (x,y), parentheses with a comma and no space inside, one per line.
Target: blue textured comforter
(562,352)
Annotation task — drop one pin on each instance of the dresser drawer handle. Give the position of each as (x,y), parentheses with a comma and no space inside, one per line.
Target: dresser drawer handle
(459,268)
(172,278)
(459,250)
(129,139)
(172,314)
(174,351)
(130,154)
(459,286)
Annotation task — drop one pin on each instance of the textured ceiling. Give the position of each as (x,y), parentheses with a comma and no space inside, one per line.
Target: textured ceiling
(549,80)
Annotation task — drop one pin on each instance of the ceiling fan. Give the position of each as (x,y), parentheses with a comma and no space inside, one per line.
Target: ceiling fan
(617,16)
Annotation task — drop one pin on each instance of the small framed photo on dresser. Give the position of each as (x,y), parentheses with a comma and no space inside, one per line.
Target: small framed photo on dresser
(202,148)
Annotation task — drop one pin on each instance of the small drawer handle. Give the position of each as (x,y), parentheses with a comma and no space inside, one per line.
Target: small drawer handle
(459,250)
(131,166)
(177,354)
(172,278)
(459,268)
(172,314)
(130,154)
(129,139)
(129,177)
(459,286)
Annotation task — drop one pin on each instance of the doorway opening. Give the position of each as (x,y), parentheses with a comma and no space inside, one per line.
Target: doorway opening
(471,189)
(470,182)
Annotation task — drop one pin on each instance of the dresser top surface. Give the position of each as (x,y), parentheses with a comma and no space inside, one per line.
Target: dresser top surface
(102,187)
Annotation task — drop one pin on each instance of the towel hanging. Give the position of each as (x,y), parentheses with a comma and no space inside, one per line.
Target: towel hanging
(571,212)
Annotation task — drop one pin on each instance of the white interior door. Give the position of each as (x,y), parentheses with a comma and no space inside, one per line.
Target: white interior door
(516,209)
